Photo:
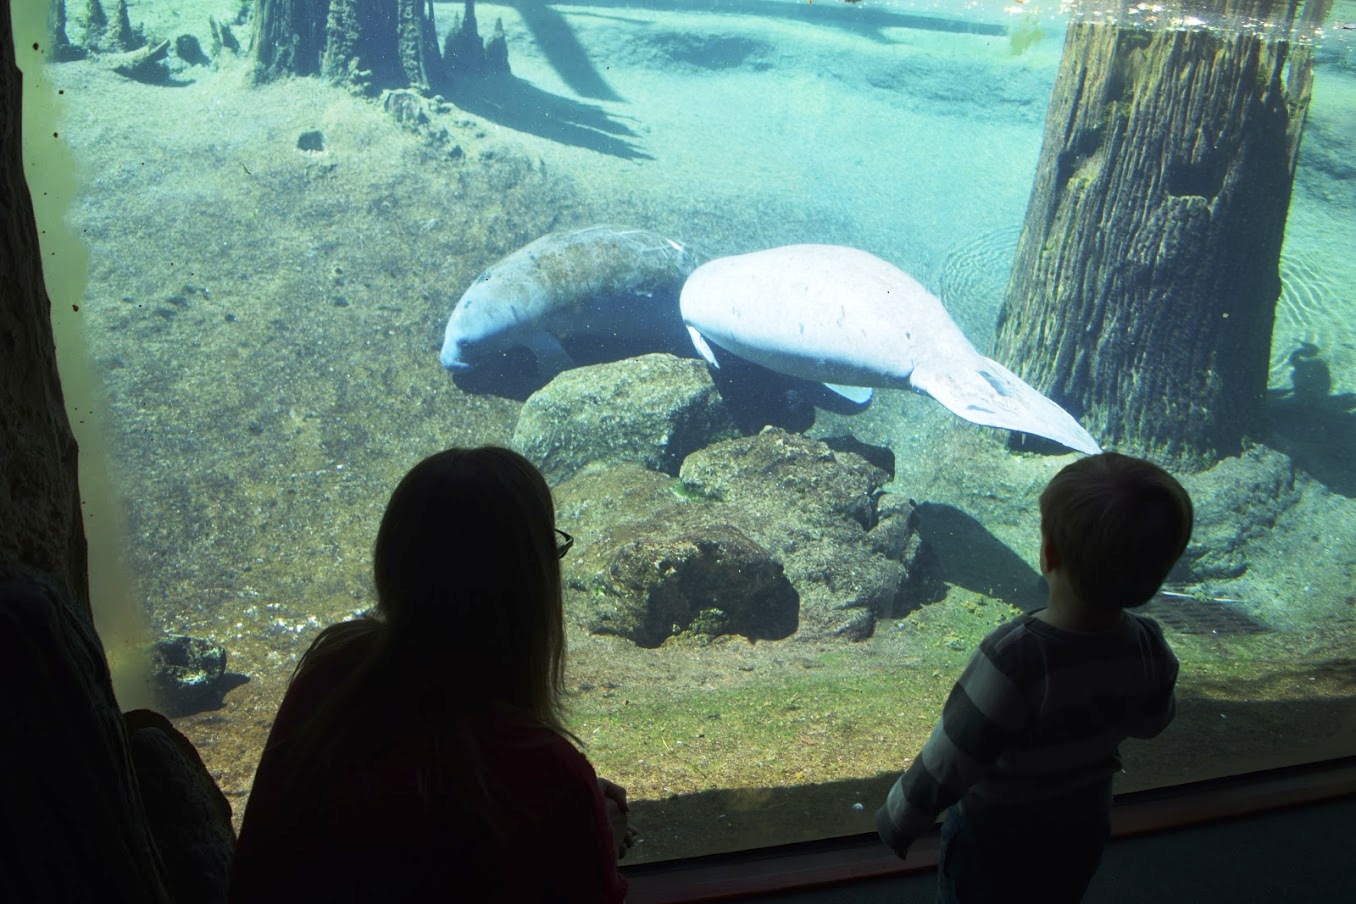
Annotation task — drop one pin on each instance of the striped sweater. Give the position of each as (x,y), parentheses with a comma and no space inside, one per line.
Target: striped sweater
(1037,715)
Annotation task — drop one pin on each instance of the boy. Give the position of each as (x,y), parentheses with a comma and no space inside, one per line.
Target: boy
(1027,742)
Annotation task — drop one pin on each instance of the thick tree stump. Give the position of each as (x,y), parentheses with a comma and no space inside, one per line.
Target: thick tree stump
(1143,294)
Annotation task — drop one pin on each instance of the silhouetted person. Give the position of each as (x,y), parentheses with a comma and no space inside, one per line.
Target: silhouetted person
(420,754)
(1028,740)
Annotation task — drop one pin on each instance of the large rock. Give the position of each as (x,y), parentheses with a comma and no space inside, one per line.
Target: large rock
(1237,503)
(677,574)
(655,557)
(819,511)
(189,816)
(651,410)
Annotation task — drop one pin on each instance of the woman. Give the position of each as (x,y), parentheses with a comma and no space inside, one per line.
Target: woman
(421,754)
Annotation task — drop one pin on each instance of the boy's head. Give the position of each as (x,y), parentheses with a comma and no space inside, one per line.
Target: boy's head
(1118,524)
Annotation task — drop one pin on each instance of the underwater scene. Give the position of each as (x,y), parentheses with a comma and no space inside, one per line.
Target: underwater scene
(797,305)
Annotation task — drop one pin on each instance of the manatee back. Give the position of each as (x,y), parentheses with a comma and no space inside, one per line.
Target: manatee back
(824,312)
(609,279)
(601,281)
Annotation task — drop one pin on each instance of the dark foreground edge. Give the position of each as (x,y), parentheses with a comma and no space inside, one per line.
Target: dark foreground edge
(842,861)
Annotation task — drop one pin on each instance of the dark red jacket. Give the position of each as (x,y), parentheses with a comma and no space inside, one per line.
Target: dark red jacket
(377,837)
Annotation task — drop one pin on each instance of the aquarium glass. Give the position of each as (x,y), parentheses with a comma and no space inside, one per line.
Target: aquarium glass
(772,586)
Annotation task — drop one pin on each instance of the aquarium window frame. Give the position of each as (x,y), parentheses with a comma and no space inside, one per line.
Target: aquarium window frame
(840,862)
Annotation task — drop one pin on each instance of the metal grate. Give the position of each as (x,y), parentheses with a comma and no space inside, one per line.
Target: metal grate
(1189,615)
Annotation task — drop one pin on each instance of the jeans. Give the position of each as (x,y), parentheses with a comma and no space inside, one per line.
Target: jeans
(1047,852)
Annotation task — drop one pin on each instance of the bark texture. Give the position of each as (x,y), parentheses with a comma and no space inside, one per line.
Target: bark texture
(289,37)
(74,825)
(1143,294)
(40,518)
(367,43)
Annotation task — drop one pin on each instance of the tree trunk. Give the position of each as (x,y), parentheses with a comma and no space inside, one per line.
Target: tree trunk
(1143,293)
(289,37)
(369,43)
(418,44)
(40,518)
(341,40)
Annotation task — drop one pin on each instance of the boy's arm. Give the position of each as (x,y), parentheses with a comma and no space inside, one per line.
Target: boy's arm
(1158,708)
(984,712)
(1154,717)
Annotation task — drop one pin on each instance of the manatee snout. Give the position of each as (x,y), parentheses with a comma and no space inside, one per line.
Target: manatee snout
(457,353)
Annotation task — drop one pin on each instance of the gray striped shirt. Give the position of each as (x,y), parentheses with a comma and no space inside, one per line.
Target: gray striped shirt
(1037,715)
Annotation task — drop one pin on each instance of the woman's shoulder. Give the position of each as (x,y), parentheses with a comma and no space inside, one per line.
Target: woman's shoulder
(341,646)
(518,741)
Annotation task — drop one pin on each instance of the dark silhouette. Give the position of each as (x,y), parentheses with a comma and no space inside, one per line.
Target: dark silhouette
(1313,425)
(1028,740)
(420,754)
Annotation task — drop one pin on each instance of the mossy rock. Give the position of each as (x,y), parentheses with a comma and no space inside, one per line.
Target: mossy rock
(707,578)
(849,553)
(651,410)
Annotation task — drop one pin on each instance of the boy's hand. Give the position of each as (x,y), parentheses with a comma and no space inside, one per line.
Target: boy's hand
(891,835)
(902,851)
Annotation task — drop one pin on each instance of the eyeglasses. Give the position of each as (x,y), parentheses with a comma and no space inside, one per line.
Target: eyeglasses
(566,541)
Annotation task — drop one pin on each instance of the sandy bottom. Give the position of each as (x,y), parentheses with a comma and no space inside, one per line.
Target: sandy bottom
(260,329)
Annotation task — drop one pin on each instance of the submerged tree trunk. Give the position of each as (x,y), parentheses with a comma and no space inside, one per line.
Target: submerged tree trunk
(1143,294)
(289,37)
(367,43)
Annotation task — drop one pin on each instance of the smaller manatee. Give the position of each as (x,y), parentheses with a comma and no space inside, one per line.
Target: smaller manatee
(609,289)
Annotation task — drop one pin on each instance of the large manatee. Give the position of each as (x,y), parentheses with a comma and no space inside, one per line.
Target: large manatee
(848,319)
(601,287)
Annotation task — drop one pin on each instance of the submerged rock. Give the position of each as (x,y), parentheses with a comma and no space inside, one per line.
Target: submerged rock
(189,49)
(648,564)
(819,511)
(706,577)
(1238,501)
(189,674)
(764,536)
(650,410)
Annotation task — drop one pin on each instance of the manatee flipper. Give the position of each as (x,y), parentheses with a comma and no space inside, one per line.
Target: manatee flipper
(699,343)
(552,358)
(985,392)
(858,395)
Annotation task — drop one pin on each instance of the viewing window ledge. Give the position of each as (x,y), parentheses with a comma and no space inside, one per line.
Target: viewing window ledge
(842,861)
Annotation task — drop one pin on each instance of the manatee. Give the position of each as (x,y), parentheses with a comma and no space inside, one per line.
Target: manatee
(603,287)
(848,319)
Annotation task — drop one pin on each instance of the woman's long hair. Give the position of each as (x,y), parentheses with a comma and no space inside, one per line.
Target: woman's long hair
(470,616)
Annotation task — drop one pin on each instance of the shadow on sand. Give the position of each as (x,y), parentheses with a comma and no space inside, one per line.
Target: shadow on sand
(975,559)
(518,105)
(523,107)
(1315,426)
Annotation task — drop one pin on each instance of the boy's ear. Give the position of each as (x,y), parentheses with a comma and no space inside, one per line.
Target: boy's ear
(1050,556)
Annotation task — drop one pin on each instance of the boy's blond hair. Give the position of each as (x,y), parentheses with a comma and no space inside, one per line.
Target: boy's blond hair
(1119,524)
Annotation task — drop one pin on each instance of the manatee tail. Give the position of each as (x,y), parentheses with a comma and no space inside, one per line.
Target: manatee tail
(985,392)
